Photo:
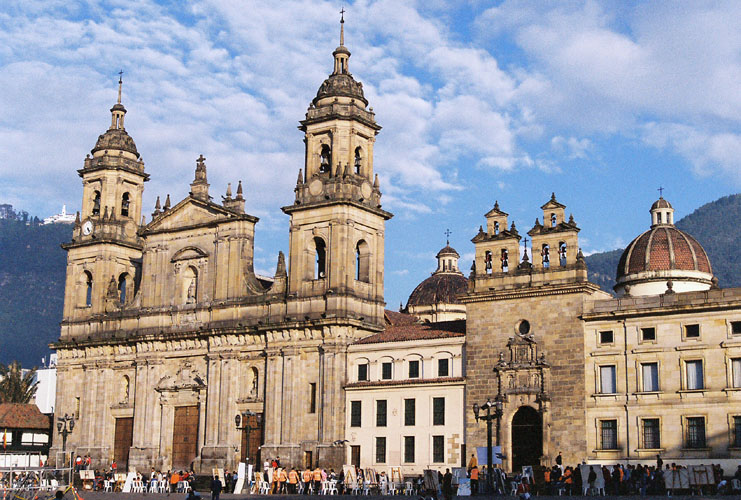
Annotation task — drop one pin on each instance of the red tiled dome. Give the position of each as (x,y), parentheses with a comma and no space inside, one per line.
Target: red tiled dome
(440,288)
(663,248)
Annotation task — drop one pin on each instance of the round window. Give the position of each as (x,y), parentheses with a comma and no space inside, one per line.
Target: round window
(523,327)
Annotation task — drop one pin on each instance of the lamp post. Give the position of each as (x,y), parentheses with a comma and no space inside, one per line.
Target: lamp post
(242,422)
(65,425)
(497,415)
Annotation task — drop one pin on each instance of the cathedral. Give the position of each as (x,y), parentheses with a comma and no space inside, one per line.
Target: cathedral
(174,354)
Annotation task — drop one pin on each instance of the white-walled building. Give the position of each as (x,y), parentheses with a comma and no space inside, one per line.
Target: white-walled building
(405,396)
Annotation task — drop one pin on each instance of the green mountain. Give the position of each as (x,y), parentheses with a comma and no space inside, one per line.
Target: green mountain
(714,225)
(32,274)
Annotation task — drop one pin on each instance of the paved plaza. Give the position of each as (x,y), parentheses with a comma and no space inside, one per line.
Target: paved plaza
(100,495)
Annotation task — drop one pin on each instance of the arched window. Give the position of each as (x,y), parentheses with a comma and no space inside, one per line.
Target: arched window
(545,254)
(123,284)
(487,261)
(553,220)
(496,228)
(325,159)
(358,161)
(320,263)
(125,205)
(96,203)
(87,283)
(190,285)
(505,260)
(362,261)
(562,254)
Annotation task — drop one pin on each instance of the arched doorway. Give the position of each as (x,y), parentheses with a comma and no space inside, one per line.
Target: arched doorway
(527,438)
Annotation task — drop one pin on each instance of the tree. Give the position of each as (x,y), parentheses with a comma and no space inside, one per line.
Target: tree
(15,387)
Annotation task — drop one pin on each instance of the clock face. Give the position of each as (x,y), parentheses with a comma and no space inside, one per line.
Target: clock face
(87,228)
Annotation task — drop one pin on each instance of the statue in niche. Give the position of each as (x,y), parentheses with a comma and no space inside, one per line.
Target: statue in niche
(192,292)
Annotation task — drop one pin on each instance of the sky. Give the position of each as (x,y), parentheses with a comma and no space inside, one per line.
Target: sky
(599,102)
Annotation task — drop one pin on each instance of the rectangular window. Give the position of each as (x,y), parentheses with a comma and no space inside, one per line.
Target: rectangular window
(438,449)
(414,369)
(31,439)
(606,337)
(736,440)
(736,372)
(438,411)
(692,331)
(651,433)
(355,411)
(381,413)
(695,432)
(607,379)
(695,379)
(735,327)
(442,368)
(386,371)
(380,450)
(608,434)
(410,411)
(648,334)
(312,397)
(408,449)
(363,372)
(650,377)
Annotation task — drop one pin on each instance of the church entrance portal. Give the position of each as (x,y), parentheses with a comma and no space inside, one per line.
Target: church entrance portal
(184,437)
(527,438)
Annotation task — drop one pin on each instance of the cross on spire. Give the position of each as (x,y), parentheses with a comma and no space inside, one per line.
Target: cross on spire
(120,82)
(661,192)
(342,14)
(525,240)
(342,26)
(447,236)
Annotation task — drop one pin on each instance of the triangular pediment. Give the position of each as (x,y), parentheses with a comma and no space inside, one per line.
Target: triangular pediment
(191,212)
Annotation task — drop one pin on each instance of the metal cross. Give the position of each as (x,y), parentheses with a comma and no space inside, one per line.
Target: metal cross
(120,74)
(661,192)
(525,242)
(200,159)
(447,235)
(342,13)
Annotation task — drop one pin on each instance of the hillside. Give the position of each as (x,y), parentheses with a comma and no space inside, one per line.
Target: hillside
(32,273)
(714,225)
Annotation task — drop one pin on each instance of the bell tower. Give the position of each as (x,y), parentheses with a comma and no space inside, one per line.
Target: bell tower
(104,256)
(337,224)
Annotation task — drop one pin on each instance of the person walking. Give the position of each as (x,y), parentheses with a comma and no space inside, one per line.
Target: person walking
(448,485)
(215,488)
(474,480)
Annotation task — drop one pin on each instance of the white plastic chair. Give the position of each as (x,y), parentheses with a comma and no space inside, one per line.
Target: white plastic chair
(154,486)
(366,488)
(264,488)
(355,487)
(138,487)
(409,489)
(332,489)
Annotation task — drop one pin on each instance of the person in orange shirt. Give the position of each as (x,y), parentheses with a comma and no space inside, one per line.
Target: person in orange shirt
(547,481)
(568,479)
(306,476)
(474,480)
(283,478)
(316,480)
(174,480)
(292,481)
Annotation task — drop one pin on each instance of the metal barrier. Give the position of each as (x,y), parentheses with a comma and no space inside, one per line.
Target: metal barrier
(35,483)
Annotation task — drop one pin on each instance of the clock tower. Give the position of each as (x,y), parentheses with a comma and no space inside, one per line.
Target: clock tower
(104,256)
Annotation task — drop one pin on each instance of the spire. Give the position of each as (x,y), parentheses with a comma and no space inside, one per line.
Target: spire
(229,191)
(118,111)
(341,54)
(239,192)
(120,84)
(167,202)
(300,176)
(376,184)
(157,205)
(342,27)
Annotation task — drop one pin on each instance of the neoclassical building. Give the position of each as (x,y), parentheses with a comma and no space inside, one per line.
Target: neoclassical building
(167,332)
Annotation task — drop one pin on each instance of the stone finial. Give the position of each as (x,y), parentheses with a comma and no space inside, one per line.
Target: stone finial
(376,184)
(280,270)
(669,287)
(537,222)
(167,202)
(105,213)
(77,219)
(553,196)
(496,204)
(571,219)
(512,228)
(481,229)
(144,220)
(348,171)
(199,186)
(300,179)
(714,283)
(239,192)
(229,190)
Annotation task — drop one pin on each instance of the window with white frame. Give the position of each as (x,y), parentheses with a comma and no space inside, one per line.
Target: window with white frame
(736,373)
(608,434)
(362,372)
(414,369)
(695,432)
(695,379)
(607,379)
(443,367)
(650,377)
(651,434)
(692,331)
(386,370)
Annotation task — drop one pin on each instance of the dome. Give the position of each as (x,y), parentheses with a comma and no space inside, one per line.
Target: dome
(116,139)
(663,258)
(340,85)
(447,250)
(440,288)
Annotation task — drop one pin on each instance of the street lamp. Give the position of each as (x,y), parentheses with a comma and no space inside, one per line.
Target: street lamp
(242,422)
(65,425)
(498,407)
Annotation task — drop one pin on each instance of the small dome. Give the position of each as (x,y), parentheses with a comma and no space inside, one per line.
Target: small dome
(340,85)
(663,254)
(447,250)
(440,288)
(661,203)
(116,139)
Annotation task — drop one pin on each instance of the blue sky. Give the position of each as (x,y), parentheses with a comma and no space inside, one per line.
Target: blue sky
(601,102)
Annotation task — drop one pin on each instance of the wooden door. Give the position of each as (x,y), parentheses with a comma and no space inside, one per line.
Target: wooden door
(184,437)
(123,437)
(252,440)
(355,455)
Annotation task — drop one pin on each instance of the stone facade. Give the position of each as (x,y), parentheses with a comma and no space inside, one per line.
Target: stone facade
(168,334)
